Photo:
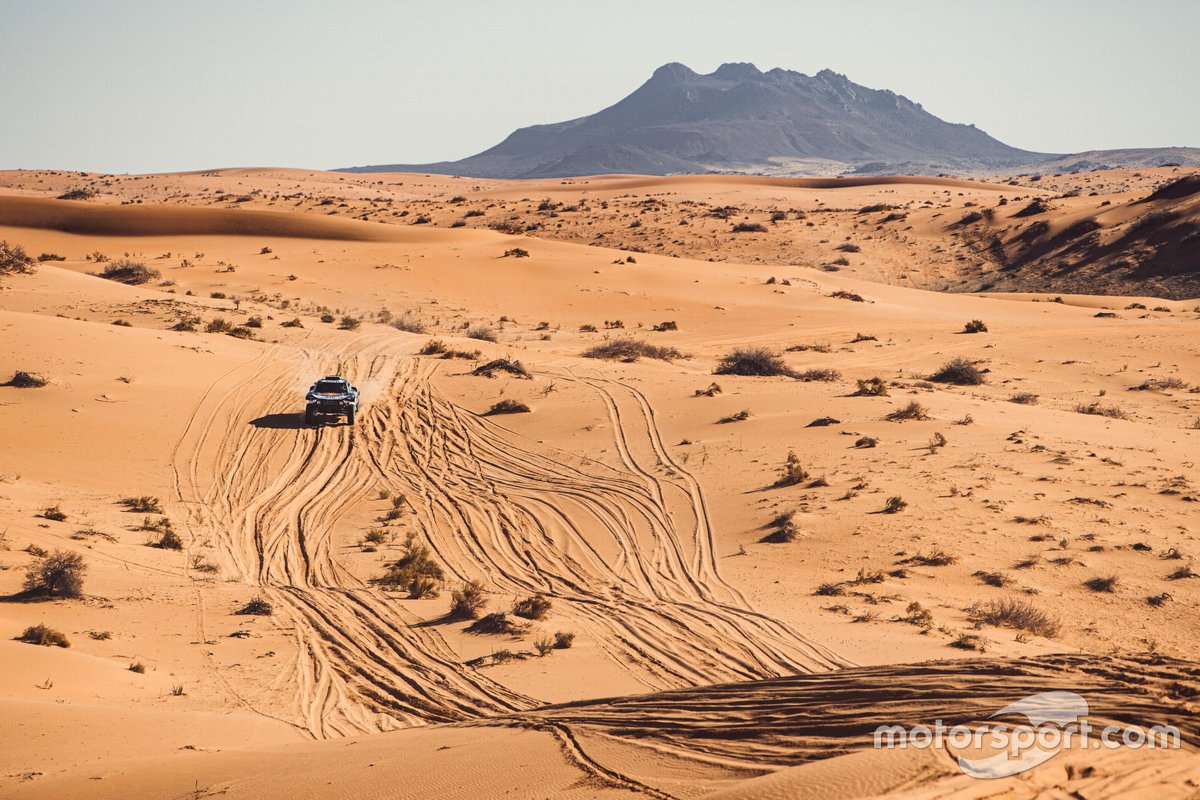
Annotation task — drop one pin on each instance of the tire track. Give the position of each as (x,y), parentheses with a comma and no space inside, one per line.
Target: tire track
(267,499)
(626,552)
(603,542)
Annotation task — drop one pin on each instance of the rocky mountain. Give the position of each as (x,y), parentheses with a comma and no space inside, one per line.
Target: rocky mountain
(742,120)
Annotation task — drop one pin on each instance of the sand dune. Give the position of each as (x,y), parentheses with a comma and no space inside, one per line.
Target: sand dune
(732,632)
(810,735)
(98,220)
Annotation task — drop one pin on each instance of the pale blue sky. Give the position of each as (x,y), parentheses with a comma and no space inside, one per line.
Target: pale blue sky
(150,85)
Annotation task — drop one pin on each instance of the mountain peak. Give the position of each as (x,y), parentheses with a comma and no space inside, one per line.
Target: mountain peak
(673,71)
(736,70)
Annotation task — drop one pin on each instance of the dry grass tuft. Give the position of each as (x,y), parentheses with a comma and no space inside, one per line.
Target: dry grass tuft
(631,350)
(913,411)
(755,362)
(1015,613)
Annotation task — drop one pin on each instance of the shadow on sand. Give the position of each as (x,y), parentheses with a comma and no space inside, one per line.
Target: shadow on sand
(280,421)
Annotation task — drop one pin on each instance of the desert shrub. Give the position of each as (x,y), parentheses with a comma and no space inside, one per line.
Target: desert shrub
(169,540)
(786,529)
(823,422)
(422,586)
(42,635)
(631,350)
(507,406)
(1102,583)
(415,566)
(432,347)
(753,361)
(669,325)
(59,574)
(544,646)
(830,590)
(133,273)
(1160,384)
(1098,410)
(934,558)
(1024,398)
(328,318)
(26,380)
(712,390)
(792,472)
(15,261)
(895,505)
(469,355)
(202,564)
(409,324)
(1015,613)
(749,227)
(349,323)
(292,323)
(912,411)
(57,257)
(869,576)
(497,622)
(142,505)
(958,371)
(483,333)
(842,294)
(516,252)
(975,326)
(533,607)
(467,601)
(54,513)
(254,322)
(917,614)
(138,667)
(738,416)
(514,368)
(970,641)
(871,387)
(258,606)
(997,579)
(823,375)
(219,325)
(241,332)
(1036,206)
(866,442)
(563,640)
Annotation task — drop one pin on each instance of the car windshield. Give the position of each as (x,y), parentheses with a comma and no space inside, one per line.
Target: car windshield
(331,387)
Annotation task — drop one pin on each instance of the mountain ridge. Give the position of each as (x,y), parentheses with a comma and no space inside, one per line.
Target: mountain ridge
(740,119)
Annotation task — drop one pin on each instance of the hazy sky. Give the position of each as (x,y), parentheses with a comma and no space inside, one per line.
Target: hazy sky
(152,85)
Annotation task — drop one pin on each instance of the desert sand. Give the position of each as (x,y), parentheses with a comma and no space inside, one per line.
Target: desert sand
(734,630)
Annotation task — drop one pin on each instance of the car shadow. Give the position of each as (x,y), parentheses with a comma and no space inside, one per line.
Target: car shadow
(280,421)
